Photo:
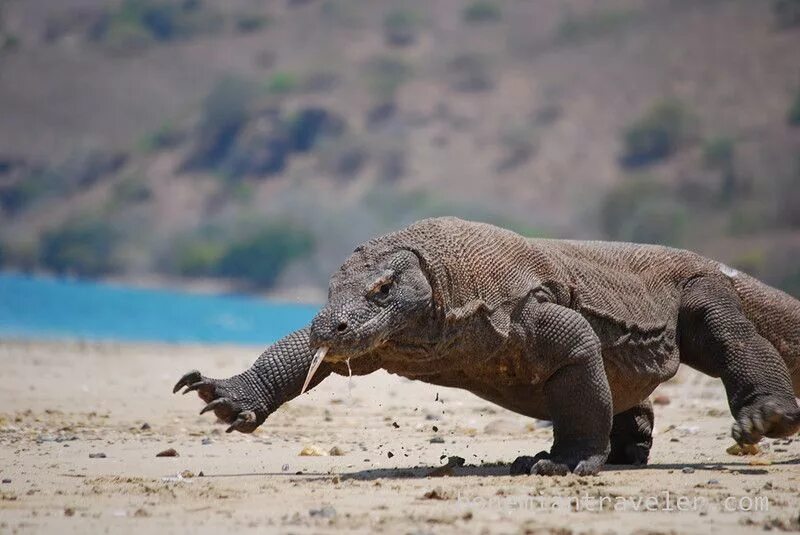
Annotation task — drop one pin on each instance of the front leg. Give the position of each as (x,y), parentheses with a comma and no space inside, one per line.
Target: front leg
(577,394)
(244,401)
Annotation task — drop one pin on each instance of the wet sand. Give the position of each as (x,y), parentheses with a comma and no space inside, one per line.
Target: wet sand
(81,424)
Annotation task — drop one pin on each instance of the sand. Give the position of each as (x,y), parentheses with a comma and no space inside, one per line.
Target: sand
(81,424)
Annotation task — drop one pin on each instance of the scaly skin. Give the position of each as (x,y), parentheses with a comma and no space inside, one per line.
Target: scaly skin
(579,333)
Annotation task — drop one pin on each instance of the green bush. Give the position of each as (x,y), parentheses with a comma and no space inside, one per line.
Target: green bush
(225,111)
(786,12)
(165,137)
(576,29)
(137,21)
(130,190)
(719,155)
(17,196)
(261,257)
(788,194)
(252,22)
(400,27)
(643,210)
(793,117)
(657,134)
(198,258)
(257,258)
(282,82)
(82,246)
(482,11)
(8,42)
(470,72)
(385,75)
(791,284)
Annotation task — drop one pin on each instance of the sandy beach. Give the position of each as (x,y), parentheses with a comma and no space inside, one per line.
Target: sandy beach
(81,424)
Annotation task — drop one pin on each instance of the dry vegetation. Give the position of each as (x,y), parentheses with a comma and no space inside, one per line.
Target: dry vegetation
(178,137)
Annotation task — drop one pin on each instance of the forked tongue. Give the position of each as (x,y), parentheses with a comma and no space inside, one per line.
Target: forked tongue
(315,362)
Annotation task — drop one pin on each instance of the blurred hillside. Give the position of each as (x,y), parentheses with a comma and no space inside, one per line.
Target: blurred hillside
(257,142)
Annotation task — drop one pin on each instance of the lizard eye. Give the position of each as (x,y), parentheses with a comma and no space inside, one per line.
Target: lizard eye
(381,289)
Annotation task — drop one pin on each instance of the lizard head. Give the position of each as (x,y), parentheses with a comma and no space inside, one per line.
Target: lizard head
(376,297)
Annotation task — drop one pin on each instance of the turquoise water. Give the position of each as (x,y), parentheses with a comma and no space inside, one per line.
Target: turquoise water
(33,307)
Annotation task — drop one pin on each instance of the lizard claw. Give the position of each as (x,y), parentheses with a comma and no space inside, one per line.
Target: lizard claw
(232,403)
(768,417)
(188,378)
(214,404)
(196,386)
(245,422)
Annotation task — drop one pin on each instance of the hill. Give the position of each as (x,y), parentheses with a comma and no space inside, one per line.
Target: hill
(258,142)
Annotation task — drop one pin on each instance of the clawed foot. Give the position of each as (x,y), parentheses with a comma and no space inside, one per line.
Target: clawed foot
(226,398)
(634,454)
(544,464)
(766,418)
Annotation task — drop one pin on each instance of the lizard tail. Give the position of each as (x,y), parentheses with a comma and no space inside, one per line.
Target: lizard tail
(776,316)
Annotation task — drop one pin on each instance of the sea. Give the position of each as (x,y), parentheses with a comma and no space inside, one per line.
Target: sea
(35,307)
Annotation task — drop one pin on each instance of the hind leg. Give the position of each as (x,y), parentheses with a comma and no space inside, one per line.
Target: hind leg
(717,338)
(632,435)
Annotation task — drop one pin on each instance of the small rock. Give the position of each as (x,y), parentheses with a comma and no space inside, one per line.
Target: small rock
(145,427)
(661,399)
(312,451)
(395,425)
(435,494)
(447,470)
(336,480)
(437,440)
(745,449)
(687,470)
(336,451)
(390,454)
(98,455)
(6,480)
(141,513)
(170,452)
(187,474)
(200,474)
(435,429)
(713,481)
(206,441)
(285,468)
(69,511)
(323,512)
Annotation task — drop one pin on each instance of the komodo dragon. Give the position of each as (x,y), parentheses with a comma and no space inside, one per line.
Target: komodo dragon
(579,333)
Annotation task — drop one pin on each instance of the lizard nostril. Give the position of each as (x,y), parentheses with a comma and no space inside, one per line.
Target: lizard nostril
(342,327)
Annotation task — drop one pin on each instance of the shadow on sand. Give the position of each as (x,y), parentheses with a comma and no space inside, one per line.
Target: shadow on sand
(494,470)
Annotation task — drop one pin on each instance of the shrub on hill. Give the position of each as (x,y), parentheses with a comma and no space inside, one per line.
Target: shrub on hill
(83,246)
(257,258)
(793,117)
(400,27)
(657,134)
(482,11)
(786,12)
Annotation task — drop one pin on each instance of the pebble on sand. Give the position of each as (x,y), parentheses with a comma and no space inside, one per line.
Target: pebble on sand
(745,449)
(661,400)
(170,452)
(98,455)
(313,451)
